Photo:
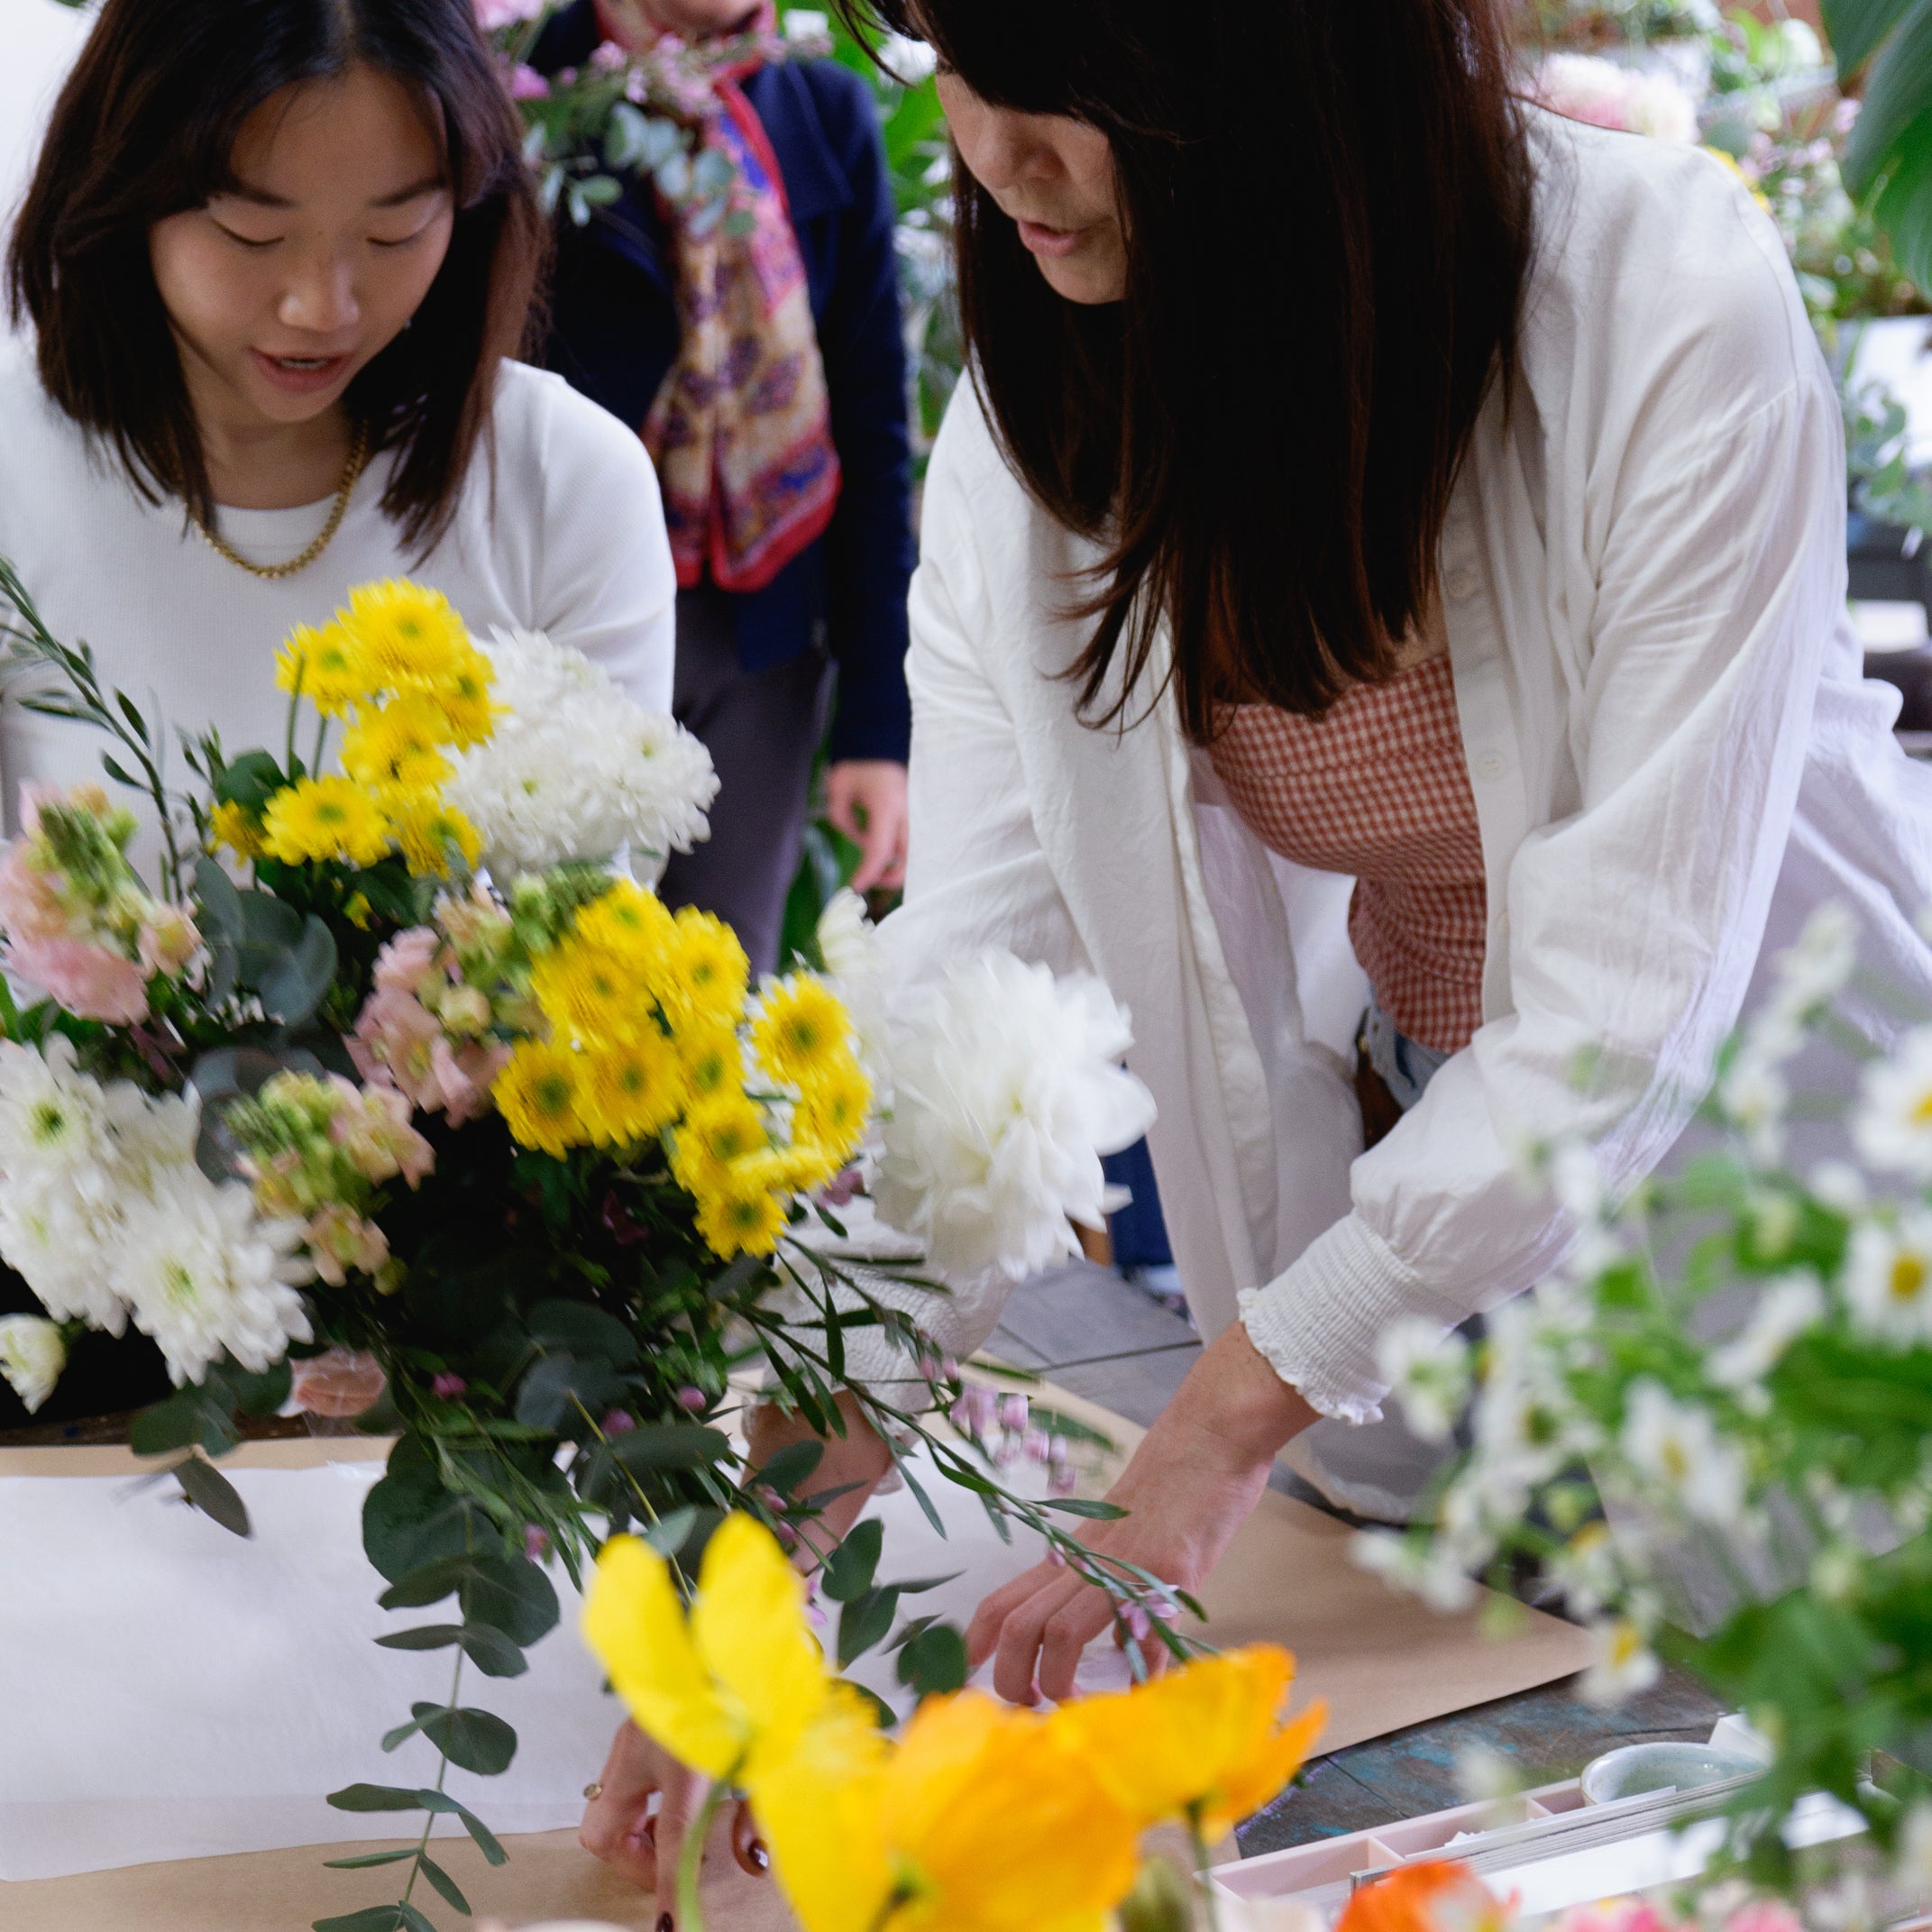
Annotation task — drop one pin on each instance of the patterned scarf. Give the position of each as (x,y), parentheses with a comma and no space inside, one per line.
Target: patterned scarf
(741,431)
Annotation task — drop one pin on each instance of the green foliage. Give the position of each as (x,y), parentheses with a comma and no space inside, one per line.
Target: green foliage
(1891,150)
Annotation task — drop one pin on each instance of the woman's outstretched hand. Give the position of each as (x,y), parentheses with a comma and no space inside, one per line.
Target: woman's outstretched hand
(1188,1488)
(865,799)
(646,1799)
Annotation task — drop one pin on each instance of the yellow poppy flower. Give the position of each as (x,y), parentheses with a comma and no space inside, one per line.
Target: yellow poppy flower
(325,819)
(801,1030)
(734,1685)
(410,635)
(237,828)
(985,1819)
(540,1095)
(635,1087)
(739,1217)
(1204,1740)
(586,990)
(834,1107)
(327,667)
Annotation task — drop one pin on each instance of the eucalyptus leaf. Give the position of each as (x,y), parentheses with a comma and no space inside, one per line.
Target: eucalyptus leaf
(371,1919)
(293,987)
(212,1494)
(848,1574)
(375,1798)
(864,1622)
(447,1886)
(474,1740)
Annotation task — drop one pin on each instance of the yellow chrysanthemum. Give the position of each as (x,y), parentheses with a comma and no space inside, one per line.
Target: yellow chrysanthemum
(636,1088)
(586,990)
(431,833)
(715,1133)
(705,971)
(801,1030)
(735,1219)
(410,635)
(327,666)
(463,698)
(786,1170)
(397,744)
(629,921)
(540,1093)
(238,829)
(712,1058)
(325,819)
(835,1106)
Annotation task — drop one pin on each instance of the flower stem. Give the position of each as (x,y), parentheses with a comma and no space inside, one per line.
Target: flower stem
(1199,1844)
(690,1861)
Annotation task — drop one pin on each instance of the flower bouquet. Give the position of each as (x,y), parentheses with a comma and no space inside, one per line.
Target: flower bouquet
(1711,1431)
(400,1098)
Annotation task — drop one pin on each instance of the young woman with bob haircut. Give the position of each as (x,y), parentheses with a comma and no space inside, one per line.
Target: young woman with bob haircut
(275,259)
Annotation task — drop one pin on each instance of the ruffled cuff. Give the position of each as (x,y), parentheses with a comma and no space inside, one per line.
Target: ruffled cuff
(1318,1323)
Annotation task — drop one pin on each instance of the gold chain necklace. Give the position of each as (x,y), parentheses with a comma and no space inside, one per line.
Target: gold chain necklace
(357,458)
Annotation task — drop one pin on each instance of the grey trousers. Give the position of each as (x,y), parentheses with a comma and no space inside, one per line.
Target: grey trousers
(762,729)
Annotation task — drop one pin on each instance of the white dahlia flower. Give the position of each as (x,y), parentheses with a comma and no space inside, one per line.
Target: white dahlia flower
(575,769)
(1007,1088)
(203,1272)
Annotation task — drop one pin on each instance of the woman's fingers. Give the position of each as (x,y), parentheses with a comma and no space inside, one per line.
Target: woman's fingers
(617,1823)
(746,1846)
(982,1633)
(1078,1620)
(685,1796)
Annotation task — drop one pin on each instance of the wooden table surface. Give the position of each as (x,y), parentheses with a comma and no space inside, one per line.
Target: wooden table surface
(1548,1734)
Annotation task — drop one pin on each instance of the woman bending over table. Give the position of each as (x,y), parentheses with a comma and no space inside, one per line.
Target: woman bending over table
(276,258)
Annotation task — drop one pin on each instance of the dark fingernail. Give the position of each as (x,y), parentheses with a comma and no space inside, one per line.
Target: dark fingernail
(665,1923)
(759,1855)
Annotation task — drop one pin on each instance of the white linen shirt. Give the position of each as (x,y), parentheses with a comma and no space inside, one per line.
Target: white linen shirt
(1673,757)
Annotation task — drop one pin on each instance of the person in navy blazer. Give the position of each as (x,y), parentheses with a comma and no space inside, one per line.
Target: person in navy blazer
(756,669)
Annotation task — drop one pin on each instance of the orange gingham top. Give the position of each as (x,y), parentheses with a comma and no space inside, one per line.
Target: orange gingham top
(1377,787)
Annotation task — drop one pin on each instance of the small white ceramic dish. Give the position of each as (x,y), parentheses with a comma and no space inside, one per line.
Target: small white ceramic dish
(1635,1768)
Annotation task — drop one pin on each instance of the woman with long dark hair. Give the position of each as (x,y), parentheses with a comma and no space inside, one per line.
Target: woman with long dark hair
(1365,474)
(276,259)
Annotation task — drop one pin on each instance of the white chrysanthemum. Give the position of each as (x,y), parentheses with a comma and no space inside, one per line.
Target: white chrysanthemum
(1429,1372)
(1007,1088)
(61,1243)
(850,951)
(577,770)
(1785,1310)
(55,1129)
(1586,1569)
(1620,1665)
(32,1353)
(203,1272)
(1888,1277)
(1677,1445)
(1892,1127)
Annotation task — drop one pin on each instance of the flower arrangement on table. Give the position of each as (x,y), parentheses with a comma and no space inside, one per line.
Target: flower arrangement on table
(1756,1408)
(981,1818)
(401,1096)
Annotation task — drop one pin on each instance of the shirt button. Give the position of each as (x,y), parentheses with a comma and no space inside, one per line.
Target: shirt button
(1491,765)
(1460,584)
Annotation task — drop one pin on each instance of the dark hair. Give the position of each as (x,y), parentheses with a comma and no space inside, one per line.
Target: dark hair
(145,128)
(1327,217)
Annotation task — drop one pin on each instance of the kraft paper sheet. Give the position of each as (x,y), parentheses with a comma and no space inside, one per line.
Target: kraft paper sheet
(1382,1662)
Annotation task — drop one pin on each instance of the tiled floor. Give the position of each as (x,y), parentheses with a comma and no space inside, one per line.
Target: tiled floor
(1097,1336)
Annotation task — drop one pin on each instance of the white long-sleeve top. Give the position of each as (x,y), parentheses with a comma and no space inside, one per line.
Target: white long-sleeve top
(562,532)
(1674,756)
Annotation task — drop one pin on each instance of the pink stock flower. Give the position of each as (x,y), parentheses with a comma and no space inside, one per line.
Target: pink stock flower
(170,939)
(392,1041)
(527,84)
(447,1385)
(1763,1915)
(30,908)
(404,964)
(87,980)
(460,1077)
(372,1128)
(490,15)
(340,1243)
